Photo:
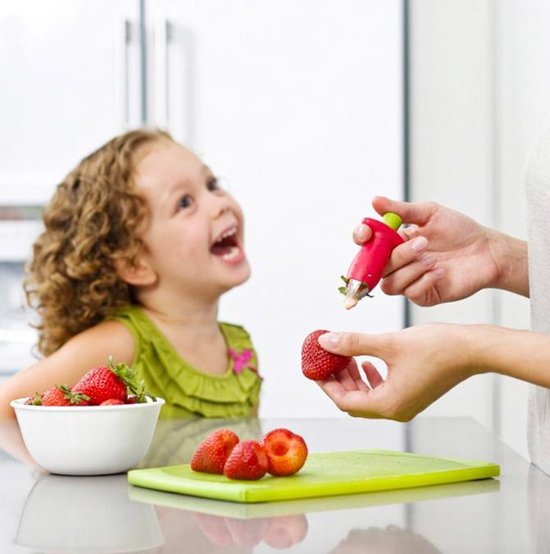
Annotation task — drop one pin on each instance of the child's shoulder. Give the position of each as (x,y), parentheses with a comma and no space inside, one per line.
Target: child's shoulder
(234,328)
(234,332)
(110,332)
(97,343)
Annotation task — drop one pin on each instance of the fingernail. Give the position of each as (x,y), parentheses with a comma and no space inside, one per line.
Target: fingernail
(361,231)
(418,244)
(330,340)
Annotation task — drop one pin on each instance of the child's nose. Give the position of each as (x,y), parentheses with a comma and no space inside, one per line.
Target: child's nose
(221,207)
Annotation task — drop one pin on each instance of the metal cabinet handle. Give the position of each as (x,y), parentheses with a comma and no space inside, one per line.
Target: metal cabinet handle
(163,77)
(122,73)
(122,76)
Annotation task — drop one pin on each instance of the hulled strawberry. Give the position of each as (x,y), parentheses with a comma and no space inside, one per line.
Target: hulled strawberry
(286,452)
(247,461)
(61,395)
(317,363)
(212,453)
(108,382)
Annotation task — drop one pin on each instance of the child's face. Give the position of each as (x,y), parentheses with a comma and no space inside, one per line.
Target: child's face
(194,237)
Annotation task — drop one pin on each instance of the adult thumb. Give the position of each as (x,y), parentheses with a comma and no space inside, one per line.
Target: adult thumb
(410,212)
(354,344)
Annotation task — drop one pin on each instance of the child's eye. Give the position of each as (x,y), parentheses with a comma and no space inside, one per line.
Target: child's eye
(185,201)
(213,184)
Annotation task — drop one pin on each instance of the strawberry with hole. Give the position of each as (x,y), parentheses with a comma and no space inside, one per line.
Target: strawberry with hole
(286,452)
(317,363)
(109,382)
(213,452)
(247,461)
(61,395)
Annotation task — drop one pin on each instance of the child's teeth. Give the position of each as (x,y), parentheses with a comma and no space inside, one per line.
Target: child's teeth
(233,251)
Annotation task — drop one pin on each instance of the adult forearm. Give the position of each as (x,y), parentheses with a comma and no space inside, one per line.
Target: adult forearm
(510,255)
(524,355)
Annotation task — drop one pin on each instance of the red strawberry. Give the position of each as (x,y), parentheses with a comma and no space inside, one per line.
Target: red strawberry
(108,382)
(100,384)
(61,395)
(212,453)
(247,461)
(286,452)
(317,363)
(112,402)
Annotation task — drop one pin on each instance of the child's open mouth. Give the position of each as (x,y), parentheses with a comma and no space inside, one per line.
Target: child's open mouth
(227,246)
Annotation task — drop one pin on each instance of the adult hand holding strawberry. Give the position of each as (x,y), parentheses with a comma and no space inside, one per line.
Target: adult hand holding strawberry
(423,363)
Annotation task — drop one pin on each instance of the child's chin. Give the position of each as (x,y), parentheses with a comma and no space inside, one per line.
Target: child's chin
(240,275)
(245,272)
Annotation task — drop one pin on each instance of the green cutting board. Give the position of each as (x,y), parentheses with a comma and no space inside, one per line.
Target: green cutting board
(324,474)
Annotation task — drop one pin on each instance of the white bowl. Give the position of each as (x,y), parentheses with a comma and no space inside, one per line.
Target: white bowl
(87,440)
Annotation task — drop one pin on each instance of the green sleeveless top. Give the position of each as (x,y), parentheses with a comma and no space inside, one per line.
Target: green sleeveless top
(189,392)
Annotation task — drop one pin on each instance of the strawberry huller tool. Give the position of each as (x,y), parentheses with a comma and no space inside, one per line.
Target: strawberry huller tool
(366,268)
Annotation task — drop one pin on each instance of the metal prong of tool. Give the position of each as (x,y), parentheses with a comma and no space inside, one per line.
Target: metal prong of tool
(355,291)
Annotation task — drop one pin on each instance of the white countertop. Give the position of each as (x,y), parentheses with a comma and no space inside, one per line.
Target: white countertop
(507,514)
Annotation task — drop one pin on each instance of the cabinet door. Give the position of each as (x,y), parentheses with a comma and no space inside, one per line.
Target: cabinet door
(69,82)
(298,105)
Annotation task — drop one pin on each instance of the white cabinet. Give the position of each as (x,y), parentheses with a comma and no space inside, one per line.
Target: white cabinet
(70,81)
(298,105)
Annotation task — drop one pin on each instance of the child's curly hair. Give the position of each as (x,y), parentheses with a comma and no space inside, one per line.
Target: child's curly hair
(92,220)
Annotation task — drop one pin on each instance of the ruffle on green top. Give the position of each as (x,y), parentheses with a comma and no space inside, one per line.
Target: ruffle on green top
(189,392)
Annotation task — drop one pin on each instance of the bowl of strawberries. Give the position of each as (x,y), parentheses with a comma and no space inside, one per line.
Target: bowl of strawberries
(102,425)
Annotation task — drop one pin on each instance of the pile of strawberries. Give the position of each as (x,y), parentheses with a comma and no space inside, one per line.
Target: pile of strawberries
(279,453)
(100,386)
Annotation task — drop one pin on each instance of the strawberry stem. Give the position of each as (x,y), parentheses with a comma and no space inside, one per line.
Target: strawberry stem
(129,378)
(36,400)
(72,397)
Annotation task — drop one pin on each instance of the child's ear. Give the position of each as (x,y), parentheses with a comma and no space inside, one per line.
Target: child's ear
(138,273)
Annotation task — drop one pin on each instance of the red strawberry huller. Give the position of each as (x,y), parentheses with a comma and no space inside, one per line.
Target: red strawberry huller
(368,265)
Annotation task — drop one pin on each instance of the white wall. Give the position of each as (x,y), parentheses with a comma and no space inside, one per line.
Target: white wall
(451,146)
(480,98)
